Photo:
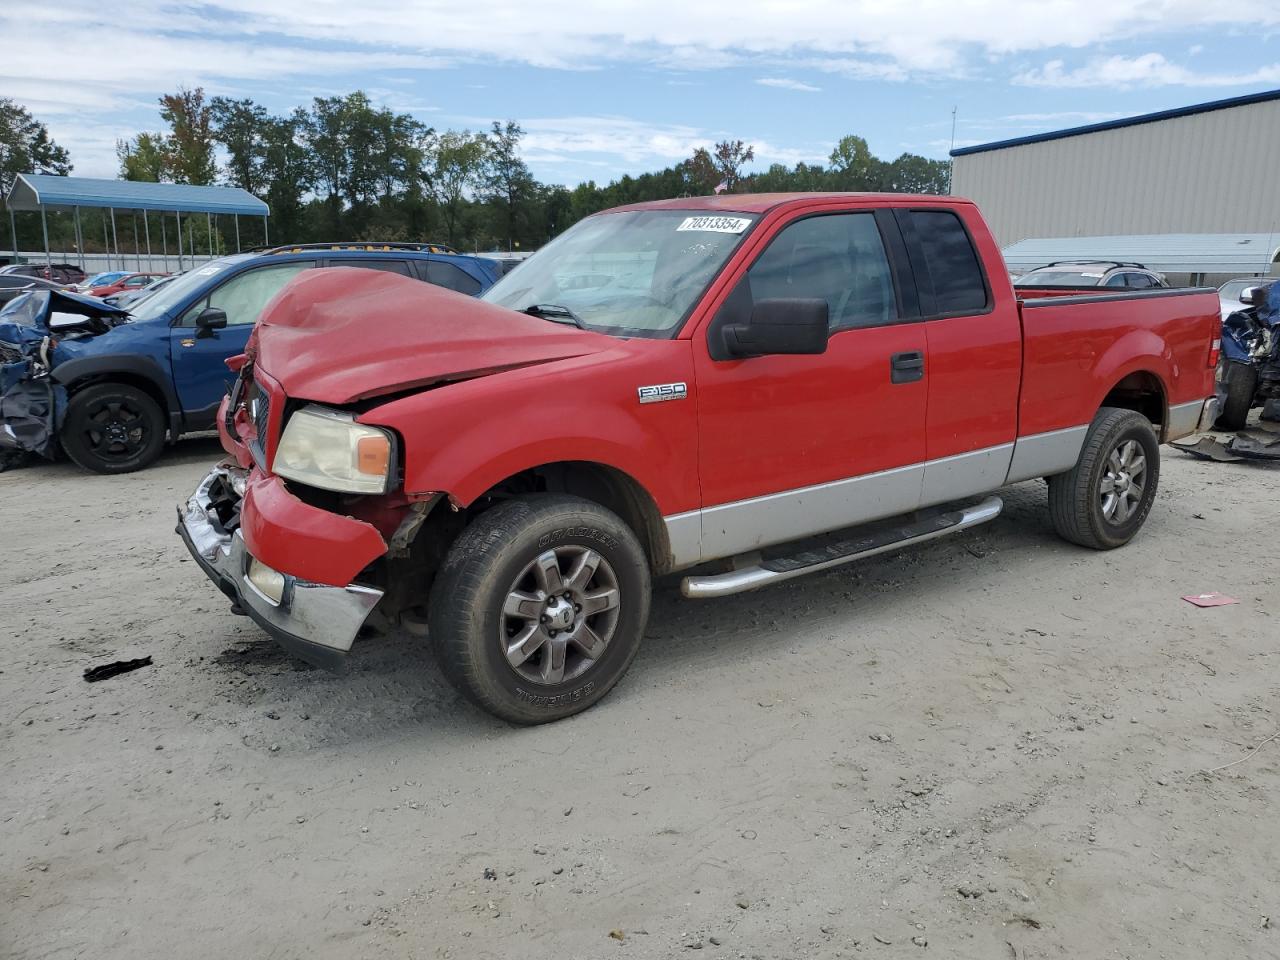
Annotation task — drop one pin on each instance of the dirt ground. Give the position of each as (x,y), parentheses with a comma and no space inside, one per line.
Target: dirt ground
(990,747)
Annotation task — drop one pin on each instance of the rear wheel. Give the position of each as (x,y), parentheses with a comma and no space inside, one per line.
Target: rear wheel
(1104,500)
(113,428)
(1241,382)
(539,607)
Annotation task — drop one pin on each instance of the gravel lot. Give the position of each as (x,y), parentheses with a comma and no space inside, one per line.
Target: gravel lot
(990,745)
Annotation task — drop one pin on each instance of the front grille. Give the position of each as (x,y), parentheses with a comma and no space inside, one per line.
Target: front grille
(260,412)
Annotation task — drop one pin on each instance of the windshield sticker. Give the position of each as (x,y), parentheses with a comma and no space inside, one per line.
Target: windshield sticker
(207,271)
(715,224)
(1091,275)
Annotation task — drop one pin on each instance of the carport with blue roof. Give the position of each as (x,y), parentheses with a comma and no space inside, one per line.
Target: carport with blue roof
(42,193)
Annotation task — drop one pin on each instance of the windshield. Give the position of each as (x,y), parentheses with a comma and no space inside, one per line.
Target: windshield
(1060,278)
(173,294)
(634,274)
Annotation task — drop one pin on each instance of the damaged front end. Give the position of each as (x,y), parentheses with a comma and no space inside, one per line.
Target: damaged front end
(39,331)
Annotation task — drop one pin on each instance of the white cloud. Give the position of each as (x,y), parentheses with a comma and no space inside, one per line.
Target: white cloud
(786,83)
(1146,70)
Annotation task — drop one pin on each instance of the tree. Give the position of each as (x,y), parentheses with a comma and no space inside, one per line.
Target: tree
(145,157)
(26,147)
(911,173)
(241,127)
(457,170)
(508,184)
(730,157)
(700,172)
(288,169)
(190,141)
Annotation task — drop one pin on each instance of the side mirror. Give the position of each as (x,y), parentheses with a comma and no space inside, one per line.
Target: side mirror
(1252,295)
(790,326)
(209,320)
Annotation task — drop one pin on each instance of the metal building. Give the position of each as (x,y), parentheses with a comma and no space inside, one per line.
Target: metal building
(1213,168)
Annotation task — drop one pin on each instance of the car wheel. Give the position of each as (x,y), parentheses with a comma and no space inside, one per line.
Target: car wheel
(1104,500)
(1241,383)
(539,607)
(113,428)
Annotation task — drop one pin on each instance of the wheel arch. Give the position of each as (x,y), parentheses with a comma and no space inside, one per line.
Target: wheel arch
(604,484)
(1144,392)
(139,372)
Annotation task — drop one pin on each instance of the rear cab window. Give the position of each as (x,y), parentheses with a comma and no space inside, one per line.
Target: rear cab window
(952,267)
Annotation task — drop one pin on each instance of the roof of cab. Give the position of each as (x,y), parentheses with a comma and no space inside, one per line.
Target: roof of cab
(764,202)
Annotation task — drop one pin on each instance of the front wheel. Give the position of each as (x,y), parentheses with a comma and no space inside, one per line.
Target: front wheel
(539,607)
(113,428)
(1104,500)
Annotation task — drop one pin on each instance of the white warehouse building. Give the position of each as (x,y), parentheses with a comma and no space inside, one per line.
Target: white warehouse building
(1192,192)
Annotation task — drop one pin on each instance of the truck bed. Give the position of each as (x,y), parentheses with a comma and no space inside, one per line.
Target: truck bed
(1105,335)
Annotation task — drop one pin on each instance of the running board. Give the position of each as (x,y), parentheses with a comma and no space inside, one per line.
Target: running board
(832,554)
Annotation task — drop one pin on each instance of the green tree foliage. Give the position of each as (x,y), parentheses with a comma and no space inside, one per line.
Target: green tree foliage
(189,144)
(26,147)
(145,157)
(342,168)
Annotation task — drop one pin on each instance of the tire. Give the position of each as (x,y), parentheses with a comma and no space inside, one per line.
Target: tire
(113,428)
(1078,499)
(493,589)
(1241,382)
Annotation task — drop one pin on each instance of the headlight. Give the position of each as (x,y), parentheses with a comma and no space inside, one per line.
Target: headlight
(328,449)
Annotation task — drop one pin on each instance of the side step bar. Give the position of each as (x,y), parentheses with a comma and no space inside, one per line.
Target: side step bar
(884,540)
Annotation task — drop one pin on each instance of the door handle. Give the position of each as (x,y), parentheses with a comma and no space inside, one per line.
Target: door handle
(906,367)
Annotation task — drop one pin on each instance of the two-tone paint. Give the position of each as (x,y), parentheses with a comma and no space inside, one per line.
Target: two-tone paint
(756,451)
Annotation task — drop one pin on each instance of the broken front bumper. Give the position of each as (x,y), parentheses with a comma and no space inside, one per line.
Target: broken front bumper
(314,621)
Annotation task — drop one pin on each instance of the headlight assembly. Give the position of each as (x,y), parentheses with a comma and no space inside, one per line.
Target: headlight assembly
(328,449)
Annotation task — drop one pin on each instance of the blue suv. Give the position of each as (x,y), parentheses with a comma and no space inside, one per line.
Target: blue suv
(118,386)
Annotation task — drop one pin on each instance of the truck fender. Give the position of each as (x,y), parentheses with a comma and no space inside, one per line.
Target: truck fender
(131,366)
(1139,351)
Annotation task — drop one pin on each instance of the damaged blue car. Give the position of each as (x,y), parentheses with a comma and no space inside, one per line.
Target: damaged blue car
(40,332)
(1250,373)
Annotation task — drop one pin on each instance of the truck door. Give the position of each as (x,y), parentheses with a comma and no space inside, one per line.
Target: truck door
(794,445)
(200,372)
(975,355)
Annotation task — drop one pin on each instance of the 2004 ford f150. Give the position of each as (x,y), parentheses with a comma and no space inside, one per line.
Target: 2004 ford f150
(742,388)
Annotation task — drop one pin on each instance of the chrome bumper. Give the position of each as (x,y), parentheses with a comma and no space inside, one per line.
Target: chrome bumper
(316,621)
(1209,415)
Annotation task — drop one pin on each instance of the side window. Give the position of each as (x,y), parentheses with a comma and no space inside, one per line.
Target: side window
(839,258)
(1117,280)
(391,266)
(1140,281)
(451,276)
(958,282)
(244,296)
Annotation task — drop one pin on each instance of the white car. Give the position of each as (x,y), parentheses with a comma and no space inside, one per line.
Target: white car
(1229,292)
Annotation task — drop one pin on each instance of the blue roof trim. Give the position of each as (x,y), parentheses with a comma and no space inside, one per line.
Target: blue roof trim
(30,191)
(1124,122)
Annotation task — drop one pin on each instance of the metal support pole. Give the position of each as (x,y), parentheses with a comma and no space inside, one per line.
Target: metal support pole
(146,228)
(208,222)
(79,239)
(137,253)
(178,215)
(236,218)
(13,234)
(191,240)
(265,241)
(115,238)
(44,224)
(106,242)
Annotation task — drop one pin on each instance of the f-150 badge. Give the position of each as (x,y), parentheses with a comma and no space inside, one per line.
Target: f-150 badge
(658,392)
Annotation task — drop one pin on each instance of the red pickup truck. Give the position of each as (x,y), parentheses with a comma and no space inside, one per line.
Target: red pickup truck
(741,388)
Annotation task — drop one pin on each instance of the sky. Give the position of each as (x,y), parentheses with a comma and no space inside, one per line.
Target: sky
(625,86)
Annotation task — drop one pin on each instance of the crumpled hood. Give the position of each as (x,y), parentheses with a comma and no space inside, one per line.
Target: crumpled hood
(34,315)
(345,334)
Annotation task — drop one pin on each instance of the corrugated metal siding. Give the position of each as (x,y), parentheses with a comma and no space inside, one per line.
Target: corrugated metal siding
(1215,172)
